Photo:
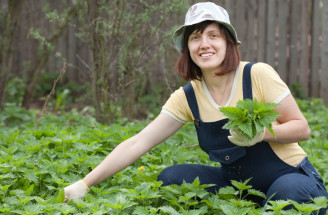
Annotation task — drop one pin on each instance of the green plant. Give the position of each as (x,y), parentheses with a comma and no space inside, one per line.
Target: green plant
(36,163)
(62,99)
(298,91)
(15,91)
(250,117)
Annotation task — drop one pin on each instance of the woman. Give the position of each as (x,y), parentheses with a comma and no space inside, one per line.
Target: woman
(210,60)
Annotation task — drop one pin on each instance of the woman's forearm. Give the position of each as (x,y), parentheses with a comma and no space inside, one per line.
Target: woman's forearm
(122,156)
(132,149)
(288,132)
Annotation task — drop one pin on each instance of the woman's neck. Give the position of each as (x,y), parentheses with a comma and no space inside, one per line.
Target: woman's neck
(214,81)
(219,86)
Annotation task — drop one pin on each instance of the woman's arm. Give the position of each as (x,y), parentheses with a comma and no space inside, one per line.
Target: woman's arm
(132,149)
(293,126)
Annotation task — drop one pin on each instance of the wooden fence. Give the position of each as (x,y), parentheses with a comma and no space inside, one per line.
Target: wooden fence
(290,35)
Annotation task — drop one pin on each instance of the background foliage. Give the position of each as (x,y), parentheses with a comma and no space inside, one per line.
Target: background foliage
(126,73)
(119,57)
(120,69)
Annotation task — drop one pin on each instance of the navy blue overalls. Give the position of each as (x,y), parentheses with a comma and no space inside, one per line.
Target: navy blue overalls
(258,162)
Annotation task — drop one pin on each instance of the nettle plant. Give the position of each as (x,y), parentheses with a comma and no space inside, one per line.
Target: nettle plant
(250,117)
(37,163)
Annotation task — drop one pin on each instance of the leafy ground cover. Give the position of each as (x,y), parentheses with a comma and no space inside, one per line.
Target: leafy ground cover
(36,163)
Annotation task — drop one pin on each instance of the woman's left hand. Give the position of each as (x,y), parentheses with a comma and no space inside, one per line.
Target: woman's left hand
(242,140)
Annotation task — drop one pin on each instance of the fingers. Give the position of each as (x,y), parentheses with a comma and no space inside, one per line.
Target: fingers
(241,140)
(259,137)
(237,136)
(235,141)
(75,191)
(66,191)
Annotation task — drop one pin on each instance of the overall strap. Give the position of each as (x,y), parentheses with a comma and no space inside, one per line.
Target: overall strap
(247,81)
(192,102)
(191,98)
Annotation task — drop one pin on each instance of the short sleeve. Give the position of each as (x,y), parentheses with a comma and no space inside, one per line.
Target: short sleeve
(267,84)
(177,106)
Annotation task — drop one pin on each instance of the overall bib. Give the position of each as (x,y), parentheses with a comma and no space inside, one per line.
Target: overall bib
(258,162)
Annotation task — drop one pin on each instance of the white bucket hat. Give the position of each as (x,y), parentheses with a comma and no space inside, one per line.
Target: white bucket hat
(201,12)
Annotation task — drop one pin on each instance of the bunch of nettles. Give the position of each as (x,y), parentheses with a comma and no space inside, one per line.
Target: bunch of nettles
(250,117)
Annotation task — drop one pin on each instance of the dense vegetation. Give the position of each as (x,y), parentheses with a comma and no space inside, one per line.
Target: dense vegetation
(37,162)
(74,53)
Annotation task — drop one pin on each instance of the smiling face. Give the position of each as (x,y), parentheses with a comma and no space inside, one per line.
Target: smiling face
(208,48)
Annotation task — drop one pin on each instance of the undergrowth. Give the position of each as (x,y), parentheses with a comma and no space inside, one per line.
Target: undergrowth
(36,163)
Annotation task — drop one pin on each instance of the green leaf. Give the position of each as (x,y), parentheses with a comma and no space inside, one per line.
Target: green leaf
(231,209)
(241,185)
(321,201)
(277,205)
(250,117)
(196,182)
(168,210)
(304,207)
(61,196)
(228,191)
(256,193)
(213,201)
(200,211)
(141,210)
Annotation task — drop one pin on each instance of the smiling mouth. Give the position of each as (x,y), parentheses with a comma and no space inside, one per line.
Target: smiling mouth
(206,55)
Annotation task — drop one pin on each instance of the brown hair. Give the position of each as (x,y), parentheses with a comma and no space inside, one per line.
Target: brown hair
(188,70)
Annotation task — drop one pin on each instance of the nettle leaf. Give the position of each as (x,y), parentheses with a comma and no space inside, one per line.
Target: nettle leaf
(213,201)
(66,209)
(304,207)
(200,211)
(277,205)
(248,105)
(256,193)
(249,117)
(61,196)
(242,203)
(321,201)
(258,125)
(168,210)
(230,209)
(241,185)
(246,127)
(229,190)
(233,113)
(144,210)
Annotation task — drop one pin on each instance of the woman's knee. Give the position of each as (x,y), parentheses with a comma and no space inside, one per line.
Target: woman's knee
(165,176)
(297,187)
(172,175)
(188,173)
(294,186)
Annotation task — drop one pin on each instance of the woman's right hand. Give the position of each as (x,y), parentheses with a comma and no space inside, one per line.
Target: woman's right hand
(76,190)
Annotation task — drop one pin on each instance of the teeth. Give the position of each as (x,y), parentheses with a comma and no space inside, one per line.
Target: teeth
(207,54)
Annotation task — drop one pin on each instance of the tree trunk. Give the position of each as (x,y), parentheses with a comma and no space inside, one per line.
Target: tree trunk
(8,33)
(43,58)
(99,65)
(324,53)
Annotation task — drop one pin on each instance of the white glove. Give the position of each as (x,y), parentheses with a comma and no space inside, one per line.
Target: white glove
(76,190)
(242,140)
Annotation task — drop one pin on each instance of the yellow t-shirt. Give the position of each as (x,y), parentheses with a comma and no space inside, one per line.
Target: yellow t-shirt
(267,86)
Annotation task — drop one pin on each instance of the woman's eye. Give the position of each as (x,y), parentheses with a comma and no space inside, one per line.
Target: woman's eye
(195,37)
(214,35)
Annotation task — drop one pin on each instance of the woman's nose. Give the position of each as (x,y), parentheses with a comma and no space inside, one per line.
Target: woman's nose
(204,43)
